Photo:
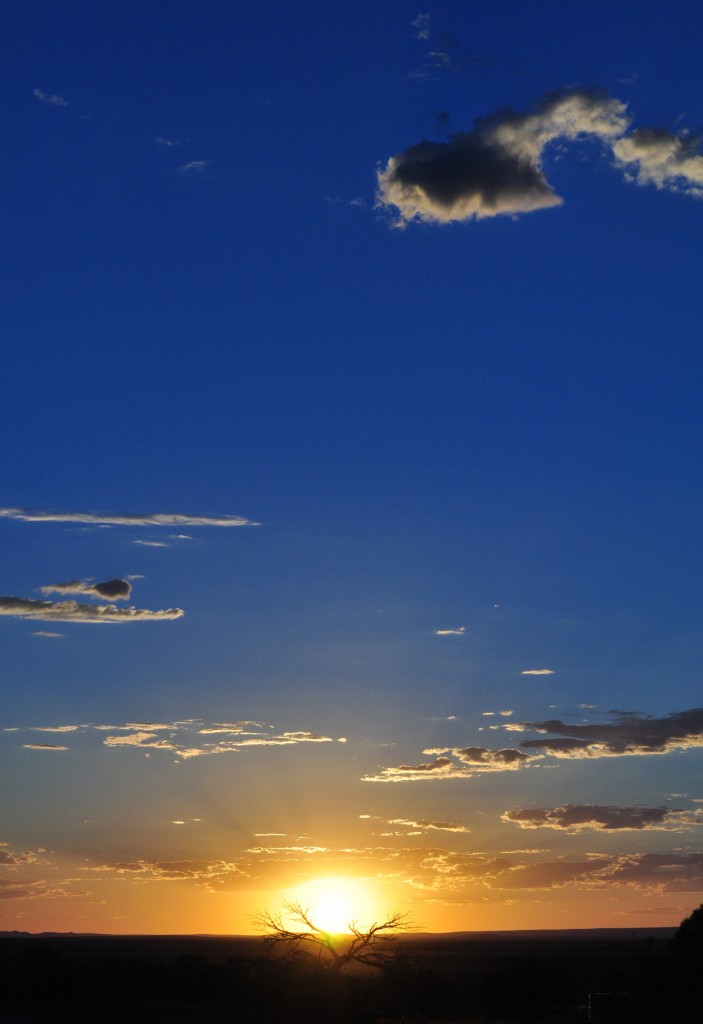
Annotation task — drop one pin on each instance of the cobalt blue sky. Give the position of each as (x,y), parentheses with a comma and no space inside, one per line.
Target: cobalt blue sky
(352,434)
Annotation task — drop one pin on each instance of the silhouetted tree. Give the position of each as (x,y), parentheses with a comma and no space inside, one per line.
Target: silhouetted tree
(293,930)
(688,940)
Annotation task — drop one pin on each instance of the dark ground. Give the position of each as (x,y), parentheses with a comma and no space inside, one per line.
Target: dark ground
(467,978)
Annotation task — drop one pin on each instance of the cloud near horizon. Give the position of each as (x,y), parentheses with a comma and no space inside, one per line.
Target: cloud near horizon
(496,167)
(110,519)
(71,611)
(578,817)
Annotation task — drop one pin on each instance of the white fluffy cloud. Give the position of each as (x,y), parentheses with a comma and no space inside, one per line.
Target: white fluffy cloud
(654,157)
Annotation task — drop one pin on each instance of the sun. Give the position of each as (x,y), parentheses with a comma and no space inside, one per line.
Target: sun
(335,903)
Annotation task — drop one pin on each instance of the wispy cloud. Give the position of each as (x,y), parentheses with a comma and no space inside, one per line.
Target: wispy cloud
(194,167)
(459,631)
(183,739)
(43,746)
(52,99)
(171,519)
(71,611)
(110,590)
(48,633)
(577,817)
(537,672)
(422,823)
(54,728)
(421,24)
(148,739)
(11,889)
(496,168)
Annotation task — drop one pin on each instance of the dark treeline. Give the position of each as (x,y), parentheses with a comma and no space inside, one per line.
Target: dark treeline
(459,979)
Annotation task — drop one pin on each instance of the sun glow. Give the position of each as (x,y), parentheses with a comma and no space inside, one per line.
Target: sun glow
(336,903)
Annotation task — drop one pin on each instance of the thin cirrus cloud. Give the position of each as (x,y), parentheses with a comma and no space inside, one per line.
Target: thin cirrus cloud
(110,519)
(72,611)
(51,98)
(537,672)
(628,734)
(43,746)
(184,739)
(150,740)
(496,167)
(194,167)
(578,817)
(459,631)
(440,826)
(110,590)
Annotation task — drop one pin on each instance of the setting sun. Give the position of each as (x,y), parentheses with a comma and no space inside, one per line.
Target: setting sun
(335,903)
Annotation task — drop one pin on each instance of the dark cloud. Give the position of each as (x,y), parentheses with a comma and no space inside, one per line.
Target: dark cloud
(482,756)
(462,763)
(71,611)
(627,733)
(110,590)
(496,167)
(576,817)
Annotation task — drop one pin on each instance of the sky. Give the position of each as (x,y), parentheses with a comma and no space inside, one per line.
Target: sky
(351,495)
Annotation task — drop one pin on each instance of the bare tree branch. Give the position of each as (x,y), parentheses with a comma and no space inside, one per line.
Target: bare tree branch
(292,929)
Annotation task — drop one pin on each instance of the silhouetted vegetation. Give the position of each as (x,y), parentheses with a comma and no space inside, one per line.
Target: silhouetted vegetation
(539,978)
(293,932)
(688,941)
